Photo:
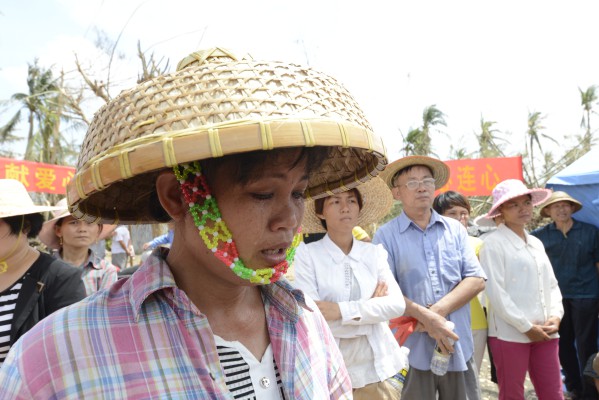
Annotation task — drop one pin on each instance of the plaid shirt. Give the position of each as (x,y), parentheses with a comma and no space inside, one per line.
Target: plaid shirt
(96,273)
(143,338)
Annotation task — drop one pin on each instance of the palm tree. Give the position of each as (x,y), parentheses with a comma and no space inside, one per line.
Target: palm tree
(431,117)
(487,140)
(534,136)
(587,98)
(41,86)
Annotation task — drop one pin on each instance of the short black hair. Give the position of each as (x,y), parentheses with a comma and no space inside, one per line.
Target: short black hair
(407,169)
(319,205)
(445,201)
(31,224)
(246,166)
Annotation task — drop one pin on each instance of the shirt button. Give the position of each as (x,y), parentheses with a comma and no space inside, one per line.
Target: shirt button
(265,382)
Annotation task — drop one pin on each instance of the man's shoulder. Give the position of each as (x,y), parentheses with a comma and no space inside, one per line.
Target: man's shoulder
(541,230)
(585,226)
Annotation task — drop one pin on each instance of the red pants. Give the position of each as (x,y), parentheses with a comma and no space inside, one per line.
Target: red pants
(540,359)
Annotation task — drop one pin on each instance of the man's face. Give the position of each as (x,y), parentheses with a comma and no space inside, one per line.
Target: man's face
(560,211)
(420,197)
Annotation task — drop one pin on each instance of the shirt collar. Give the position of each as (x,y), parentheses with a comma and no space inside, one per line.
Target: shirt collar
(337,254)
(92,259)
(512,237)
(155,275)
(405,221)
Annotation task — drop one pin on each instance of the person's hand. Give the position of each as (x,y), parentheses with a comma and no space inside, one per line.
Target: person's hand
(537,334)
(551,326)
(329,310)
(434,325)
(146,245)
(381,290)
(131,251)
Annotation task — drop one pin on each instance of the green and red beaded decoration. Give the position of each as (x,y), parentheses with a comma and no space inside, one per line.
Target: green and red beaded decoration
(214,231)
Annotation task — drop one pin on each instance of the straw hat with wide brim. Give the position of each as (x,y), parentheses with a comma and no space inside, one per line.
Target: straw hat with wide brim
(377,200)
(48,235)
(439,169)
(218,104)
(560,196)
(512,188)
(484,221)
(14,200)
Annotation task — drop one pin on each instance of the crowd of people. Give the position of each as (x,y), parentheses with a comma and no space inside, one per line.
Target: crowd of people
(246,160)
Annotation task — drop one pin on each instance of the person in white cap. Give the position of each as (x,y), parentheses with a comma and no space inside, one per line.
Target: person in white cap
(573,249)
(227,147)
(525,303)
(433,262)
(32,284)
(71,239)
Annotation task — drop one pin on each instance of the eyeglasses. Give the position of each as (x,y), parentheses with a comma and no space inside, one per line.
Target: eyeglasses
(428,183)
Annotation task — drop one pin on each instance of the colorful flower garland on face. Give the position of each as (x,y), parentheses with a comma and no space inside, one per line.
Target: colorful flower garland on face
(214,231)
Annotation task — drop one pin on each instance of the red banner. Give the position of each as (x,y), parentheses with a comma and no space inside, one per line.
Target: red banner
(478,177)
(37,177)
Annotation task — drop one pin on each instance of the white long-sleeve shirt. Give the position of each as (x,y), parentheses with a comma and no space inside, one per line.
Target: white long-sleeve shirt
(521,289)
(323,272)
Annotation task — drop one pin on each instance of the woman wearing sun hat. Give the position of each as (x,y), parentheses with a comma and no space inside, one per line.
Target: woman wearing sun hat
(71,241)
(227,148)
(353,287)
(32,284)
(525,306)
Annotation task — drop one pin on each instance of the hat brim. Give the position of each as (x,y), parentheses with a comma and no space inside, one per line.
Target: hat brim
(439,169)
(377,201)
(33,209)
(538,196)
(484,221)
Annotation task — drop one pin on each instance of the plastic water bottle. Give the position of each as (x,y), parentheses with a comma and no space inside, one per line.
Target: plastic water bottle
(398,380)
(440,361)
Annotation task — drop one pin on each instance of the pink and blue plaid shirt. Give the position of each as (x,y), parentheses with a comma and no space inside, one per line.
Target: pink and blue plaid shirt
(143,338)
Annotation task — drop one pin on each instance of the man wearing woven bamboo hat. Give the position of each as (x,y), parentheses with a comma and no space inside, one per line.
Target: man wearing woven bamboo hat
(438,273)
(573,249)
(227,148)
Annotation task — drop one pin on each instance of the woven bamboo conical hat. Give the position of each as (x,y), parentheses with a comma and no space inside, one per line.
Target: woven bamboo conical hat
(218,104)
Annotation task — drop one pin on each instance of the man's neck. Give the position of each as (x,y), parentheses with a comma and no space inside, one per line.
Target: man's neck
(343,240)
(564,226)
(420,217)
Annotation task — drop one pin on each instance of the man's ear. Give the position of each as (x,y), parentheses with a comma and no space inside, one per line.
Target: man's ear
(170,195)
(395,193)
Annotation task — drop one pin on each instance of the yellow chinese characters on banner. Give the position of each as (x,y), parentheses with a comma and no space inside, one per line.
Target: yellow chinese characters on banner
(37,177)
(478,177)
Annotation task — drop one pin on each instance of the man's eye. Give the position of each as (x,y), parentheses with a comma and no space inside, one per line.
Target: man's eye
(298,195)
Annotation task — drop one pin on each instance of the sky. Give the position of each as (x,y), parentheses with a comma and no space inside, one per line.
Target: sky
(472,59)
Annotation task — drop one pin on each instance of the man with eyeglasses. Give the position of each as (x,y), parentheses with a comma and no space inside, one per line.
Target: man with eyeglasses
(438,272)
(573,249)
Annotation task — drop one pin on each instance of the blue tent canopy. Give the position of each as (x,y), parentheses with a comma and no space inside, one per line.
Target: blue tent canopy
(581,181)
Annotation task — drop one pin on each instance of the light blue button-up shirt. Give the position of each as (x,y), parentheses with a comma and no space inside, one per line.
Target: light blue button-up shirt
(427,265)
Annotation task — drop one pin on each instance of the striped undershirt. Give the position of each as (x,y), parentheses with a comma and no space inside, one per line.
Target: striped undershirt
(237,373)
(8,301)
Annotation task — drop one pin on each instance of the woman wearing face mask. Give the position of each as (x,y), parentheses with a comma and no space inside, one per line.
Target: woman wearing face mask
(525,303)
(71,241)
(32,284)
(353,287)
(226,147)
